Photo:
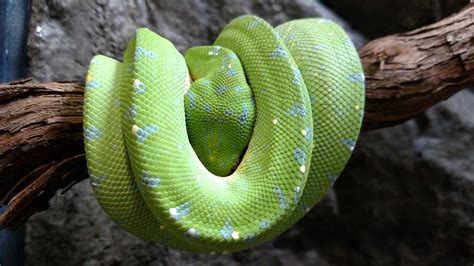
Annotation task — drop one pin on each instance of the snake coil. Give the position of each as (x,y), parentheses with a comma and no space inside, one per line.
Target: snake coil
(231,144)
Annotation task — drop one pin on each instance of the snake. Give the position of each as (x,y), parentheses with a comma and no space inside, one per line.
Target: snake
(229,145)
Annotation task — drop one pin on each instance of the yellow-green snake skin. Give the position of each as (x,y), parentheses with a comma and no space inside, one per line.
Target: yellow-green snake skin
(230,145)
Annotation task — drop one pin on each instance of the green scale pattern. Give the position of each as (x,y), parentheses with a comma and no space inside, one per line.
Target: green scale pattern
(230,145)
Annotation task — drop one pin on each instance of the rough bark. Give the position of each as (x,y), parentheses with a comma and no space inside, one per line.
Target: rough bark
(410,72)
(41,145)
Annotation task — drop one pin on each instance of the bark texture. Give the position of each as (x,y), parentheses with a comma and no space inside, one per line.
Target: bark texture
(408,73)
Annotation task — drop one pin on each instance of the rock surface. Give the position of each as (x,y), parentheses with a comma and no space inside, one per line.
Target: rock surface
(406,197)
(388,16)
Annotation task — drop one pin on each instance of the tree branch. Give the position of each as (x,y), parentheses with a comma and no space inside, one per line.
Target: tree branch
(410,72)
(41,142)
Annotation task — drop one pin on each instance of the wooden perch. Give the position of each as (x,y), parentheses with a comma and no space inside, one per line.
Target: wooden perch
(41,142)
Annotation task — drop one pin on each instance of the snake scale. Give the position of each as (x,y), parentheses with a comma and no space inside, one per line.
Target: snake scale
(229,145)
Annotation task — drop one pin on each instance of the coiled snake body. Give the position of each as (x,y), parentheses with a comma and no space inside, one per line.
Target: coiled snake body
(232,144)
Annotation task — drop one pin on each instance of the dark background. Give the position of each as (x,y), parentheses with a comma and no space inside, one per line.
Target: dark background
(406,197)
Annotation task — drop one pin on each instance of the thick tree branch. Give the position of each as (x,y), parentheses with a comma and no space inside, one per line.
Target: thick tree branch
(41,143)
(410,72)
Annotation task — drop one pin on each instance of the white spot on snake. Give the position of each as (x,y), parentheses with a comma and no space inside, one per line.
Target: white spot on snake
(173,212)
(225,61)
(193,233)
(135,129)
(94,61)
(114,147)
(302,169)
(349,143)
(235,235)
(275,121)
(138,86)
(304,132)
(215,51)
(92,133)
(180,211)
(279,52)
(96,180)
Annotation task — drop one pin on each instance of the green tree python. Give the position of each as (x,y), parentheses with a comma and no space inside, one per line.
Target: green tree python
(230,145)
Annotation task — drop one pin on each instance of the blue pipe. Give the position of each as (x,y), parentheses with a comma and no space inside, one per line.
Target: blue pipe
(13,35)
(12,245)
